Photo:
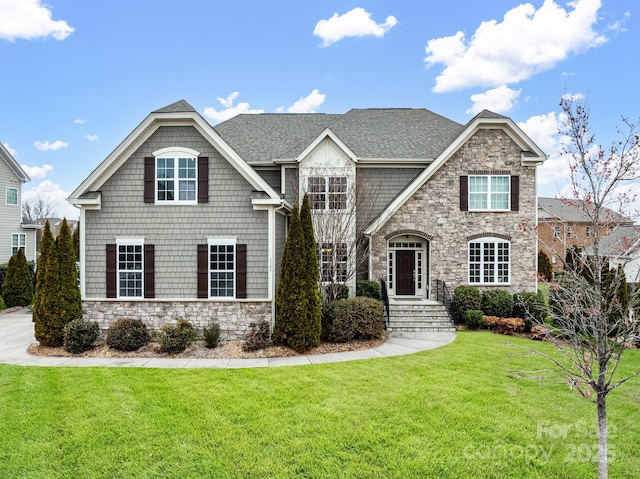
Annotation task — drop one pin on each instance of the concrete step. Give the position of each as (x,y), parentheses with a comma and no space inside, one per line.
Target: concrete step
(419,317)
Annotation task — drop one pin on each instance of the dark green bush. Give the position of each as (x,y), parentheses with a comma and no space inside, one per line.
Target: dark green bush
(175,338)
(531,307)
(355,318)
(465,298)
(497,302)
(2,305)
(80,335)
(473,318)
(258,337)
(17,289)
(128,334)
(336,292)
(369,289)
(211,335)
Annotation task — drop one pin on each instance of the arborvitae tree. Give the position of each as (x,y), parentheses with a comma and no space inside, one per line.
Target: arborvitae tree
(47,313)
(76,240)
(17,289)
(70,302)
(291,297)
(545,269)
(313,325)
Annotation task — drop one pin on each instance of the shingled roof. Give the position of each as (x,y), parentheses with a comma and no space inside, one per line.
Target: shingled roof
(574,211)
(368,133)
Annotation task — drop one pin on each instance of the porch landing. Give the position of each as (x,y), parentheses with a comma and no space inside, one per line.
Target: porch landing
(418,315)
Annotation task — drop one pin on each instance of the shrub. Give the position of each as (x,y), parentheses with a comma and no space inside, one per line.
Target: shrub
(17,289)
(464,299)
(369,289)
(175,338)
(531,307)
(336,292)
(258,337)
(80,335)
(211,335)
(128,334)
(2,305)
(545,268)
(473,318)
(507,326)
(355,318)
(497,302)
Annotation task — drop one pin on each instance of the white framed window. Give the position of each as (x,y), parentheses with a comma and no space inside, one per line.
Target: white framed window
(18,241)
(556,231)
(130,262)
(327,193)
(489,261)
(334,262)
(11,197)
(222,268)
(176,175)
(569,232)
(489,192)
(587,232)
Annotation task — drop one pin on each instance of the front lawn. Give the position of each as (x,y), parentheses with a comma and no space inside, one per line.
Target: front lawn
(453,412)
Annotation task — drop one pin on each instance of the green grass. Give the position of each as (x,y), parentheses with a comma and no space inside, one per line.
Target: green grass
(453,412)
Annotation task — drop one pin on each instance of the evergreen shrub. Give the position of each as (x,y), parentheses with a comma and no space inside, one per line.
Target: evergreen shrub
(175,338)
(473,318)
(80,335)
(354,318)
(17,289)
(128,334)
(497,302)
(369,289)
(531,307)
(464,299)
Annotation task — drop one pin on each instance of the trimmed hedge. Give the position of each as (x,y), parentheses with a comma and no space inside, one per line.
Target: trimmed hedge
(473,319)
(497,302)
(369,289)
(128,334)
(354,318)
(175,338)
(465,298)
(79,335)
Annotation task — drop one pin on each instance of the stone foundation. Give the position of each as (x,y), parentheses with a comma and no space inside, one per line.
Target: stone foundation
(233,317)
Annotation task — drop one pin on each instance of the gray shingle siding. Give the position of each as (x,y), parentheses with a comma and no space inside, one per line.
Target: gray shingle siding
(176,230)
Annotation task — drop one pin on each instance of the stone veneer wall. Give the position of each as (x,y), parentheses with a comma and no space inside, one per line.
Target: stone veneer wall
(233,317)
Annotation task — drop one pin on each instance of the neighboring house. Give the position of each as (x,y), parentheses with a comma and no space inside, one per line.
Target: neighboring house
(14,233)
(185,219)
(622,248)
(563,223)
(54,224)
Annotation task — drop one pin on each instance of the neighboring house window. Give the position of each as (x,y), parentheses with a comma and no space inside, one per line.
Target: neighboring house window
(556,231)
(327,193)
(222,266)
(333,262)
(130,270)
(12,196)
(569,231)
(18,241)
(588,231)
(176,176)
(489,261)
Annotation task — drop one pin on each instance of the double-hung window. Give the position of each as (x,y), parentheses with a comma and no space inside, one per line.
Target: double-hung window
(130,269)
(176,175)
(327,193)
(334,258)
(18,241)
(489,192)
(489,261)
(222,269)
(12,196)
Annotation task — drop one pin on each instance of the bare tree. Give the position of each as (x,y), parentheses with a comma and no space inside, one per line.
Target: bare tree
(591,325)
(36,210)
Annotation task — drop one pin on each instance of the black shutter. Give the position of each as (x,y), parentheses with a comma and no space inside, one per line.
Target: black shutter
(149,271)
(241,271)
(149,179)
(203,271)
(515,193)
(203,179)
(464,193)
(112,271)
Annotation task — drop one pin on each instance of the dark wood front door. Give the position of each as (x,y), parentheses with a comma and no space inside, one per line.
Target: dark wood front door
(405,267)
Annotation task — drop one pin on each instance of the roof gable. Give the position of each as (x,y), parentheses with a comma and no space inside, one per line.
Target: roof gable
(13,164)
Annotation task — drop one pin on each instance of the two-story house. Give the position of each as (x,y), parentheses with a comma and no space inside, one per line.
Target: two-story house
(184,219)
(14,234)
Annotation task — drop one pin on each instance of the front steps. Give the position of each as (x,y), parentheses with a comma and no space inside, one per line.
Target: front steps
(419,316)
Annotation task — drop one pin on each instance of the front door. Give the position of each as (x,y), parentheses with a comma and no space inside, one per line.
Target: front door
(405,272)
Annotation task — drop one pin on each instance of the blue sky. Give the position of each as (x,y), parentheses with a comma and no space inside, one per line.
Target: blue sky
(78,76)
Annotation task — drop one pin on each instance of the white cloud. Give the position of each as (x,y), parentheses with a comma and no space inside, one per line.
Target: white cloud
(79,121)
(29,19)
(498,100)
(37,172)
(11,151)
(230,110)
(91,137)
(49,146)
(526,42)
(308,104)
(355,23)
(53,192)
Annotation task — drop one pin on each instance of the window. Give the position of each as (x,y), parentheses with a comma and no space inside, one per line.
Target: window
(327,193)
(18,241)
(334,260)
(489,261)
(176,179)
(12,196)
(588,231)
(222,274)
(130,270)
(569,232)
(489,192)
(556,231)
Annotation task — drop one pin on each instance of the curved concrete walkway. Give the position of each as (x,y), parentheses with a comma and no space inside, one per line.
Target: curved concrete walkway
(16,335)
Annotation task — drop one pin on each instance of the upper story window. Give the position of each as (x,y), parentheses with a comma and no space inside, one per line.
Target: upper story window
(327,192)
(587,232)
(176,175)
(556,231)
(489,192)
(569,232)
(18,241)
(489,261)
(12,196)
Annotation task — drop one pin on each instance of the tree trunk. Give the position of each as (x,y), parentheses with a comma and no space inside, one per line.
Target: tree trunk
(603,453)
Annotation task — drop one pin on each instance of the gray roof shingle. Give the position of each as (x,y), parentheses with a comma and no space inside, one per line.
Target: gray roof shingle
(573,211)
